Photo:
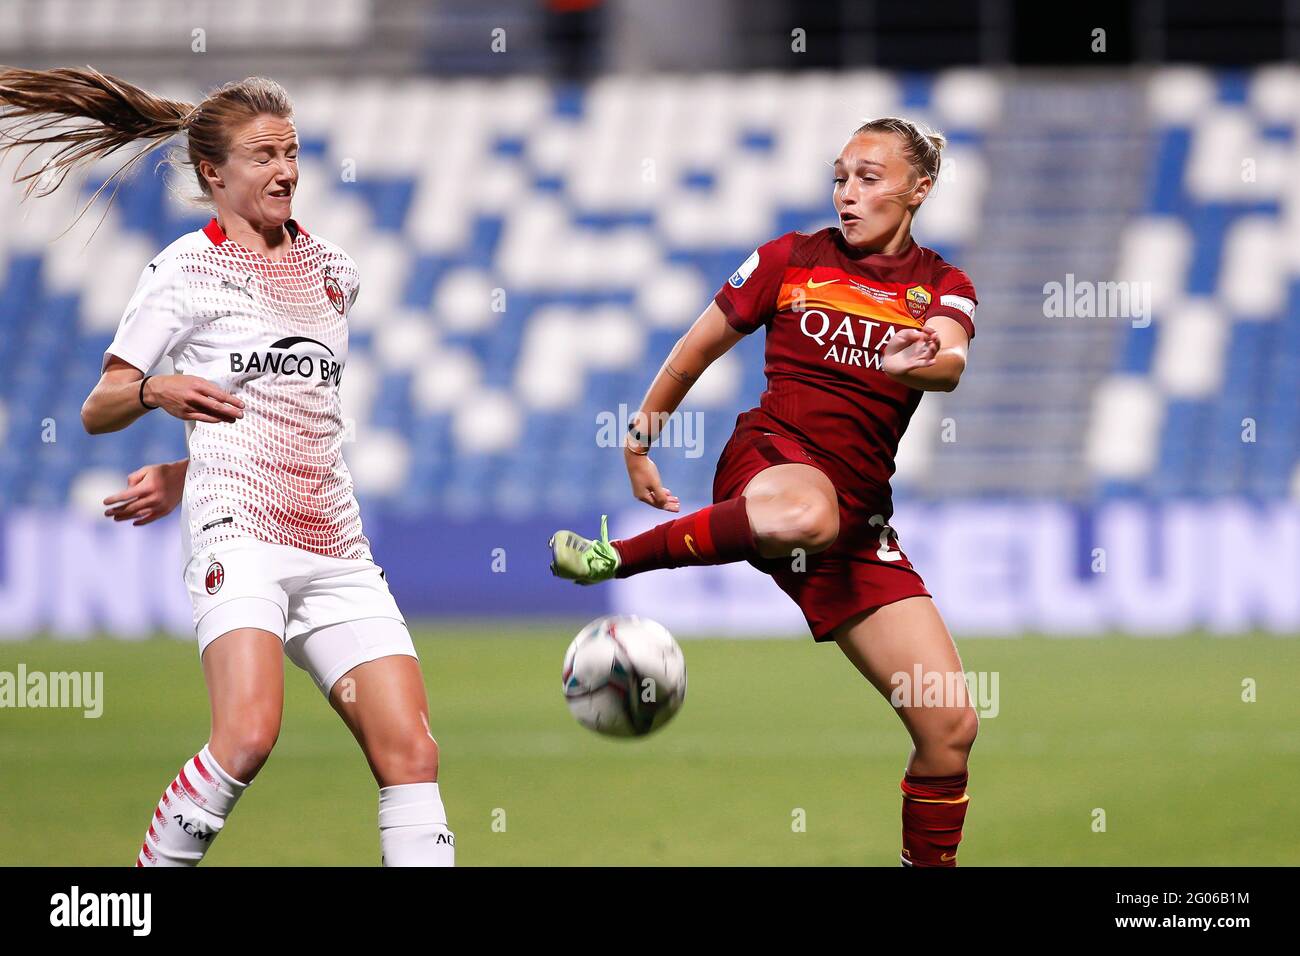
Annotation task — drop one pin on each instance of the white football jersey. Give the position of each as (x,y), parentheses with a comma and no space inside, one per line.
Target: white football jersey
(275,335)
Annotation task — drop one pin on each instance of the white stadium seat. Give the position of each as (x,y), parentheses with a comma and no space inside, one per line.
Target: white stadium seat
(1123,439)
(717,386)
(357,398)
(1225,144)
(405,341)
(1179,96)
(379,460)
(463,301)
(1275,93)
(107,287)
(1191,350)
(672,296)
(609,338)
(489,421)
(1156,250)
(971,99)
(91,487)
(443,380)
(1253,278)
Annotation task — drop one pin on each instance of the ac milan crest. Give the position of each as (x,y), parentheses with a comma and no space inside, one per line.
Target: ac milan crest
(335,293)
(215,578)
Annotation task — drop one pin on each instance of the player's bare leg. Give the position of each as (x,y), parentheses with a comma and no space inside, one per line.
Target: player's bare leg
(384,704)
(792,506)
(783,508)
(244,671)
(892,640)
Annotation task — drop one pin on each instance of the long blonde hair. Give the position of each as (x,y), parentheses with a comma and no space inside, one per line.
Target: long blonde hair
(89,115)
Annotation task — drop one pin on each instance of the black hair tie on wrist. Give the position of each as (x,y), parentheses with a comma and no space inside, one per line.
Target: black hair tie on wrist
(142,401)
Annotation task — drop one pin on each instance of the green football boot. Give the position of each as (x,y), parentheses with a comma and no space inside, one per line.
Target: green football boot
(582,560)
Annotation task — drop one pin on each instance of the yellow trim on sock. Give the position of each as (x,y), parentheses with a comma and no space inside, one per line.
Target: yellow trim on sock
(962,799)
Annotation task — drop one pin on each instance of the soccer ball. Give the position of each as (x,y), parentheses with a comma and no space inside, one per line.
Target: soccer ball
(624,676)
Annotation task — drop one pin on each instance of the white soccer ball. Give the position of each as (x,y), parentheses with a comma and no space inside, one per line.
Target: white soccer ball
(624,676)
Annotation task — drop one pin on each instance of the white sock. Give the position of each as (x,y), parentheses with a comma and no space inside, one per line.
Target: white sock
(413,827)
(191,813)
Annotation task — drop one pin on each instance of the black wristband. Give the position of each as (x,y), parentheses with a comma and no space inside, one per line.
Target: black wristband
(637,436)
(142,401)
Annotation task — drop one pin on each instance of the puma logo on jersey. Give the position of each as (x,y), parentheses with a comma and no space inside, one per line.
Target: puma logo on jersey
(245,288)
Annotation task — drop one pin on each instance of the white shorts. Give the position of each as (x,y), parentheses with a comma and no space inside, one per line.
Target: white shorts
(332,614)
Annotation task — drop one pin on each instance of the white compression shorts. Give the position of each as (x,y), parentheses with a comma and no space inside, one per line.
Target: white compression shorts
(331,613)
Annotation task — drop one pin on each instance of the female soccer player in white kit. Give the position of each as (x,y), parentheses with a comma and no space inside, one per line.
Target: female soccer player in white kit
(252,310)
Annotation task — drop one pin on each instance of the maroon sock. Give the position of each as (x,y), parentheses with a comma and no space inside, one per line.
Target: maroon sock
(718,534)
(934,809)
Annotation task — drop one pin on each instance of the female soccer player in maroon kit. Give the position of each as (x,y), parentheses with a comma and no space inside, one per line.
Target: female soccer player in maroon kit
(860,321)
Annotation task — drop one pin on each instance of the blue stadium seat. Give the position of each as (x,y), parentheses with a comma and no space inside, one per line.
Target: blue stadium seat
(51,356)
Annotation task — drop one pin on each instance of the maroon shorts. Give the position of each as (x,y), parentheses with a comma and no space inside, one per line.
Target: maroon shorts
(862,570)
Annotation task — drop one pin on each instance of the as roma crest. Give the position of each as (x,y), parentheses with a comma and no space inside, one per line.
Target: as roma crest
(335,293)
(918,300)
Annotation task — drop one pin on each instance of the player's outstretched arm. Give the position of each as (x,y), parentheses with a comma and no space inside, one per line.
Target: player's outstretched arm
(931,358)
(118,399)
(152,492)
(705,341)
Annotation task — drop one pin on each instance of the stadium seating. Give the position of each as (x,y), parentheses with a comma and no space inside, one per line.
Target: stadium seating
(530,252)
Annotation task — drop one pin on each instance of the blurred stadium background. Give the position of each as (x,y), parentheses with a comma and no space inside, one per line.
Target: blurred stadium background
(541,198)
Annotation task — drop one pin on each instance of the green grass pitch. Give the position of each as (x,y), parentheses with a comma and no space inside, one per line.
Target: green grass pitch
(1153,732)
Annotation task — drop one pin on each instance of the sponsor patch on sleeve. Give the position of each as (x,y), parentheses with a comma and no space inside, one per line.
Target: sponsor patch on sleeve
(958,302)
(744,272)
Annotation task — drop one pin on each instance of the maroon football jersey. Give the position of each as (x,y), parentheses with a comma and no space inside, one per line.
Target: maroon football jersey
(828,310)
